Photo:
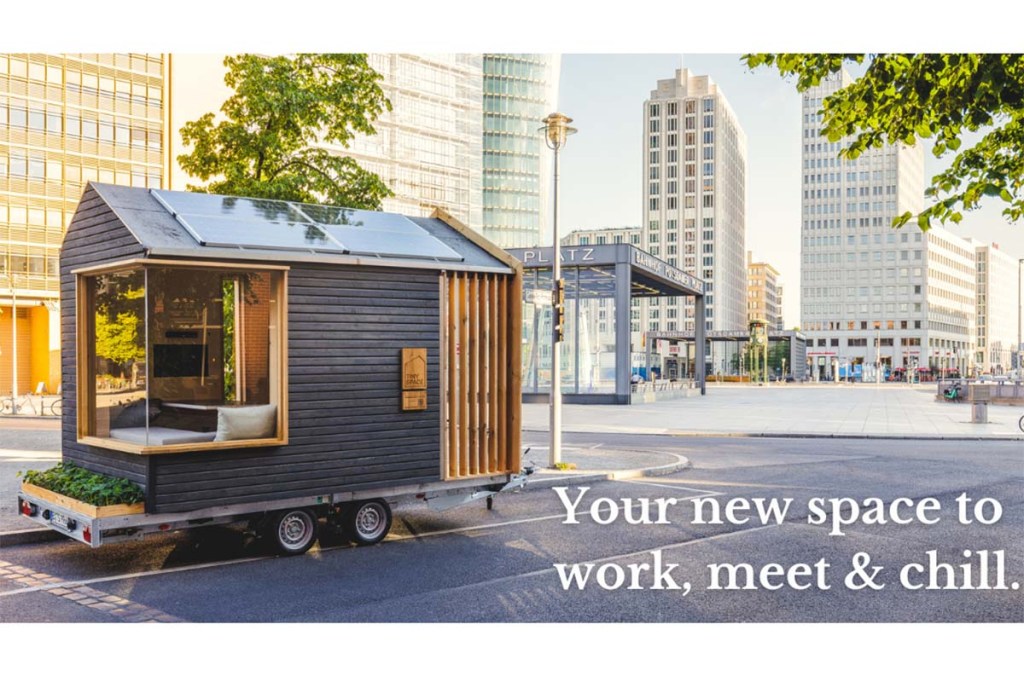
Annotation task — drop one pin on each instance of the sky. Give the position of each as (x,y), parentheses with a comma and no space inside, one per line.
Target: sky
(601,169)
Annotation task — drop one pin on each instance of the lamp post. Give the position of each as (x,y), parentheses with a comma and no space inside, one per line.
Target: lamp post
(556,133)
(878,354)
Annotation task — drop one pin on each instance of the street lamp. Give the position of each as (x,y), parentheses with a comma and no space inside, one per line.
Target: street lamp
(878,353)
(556,133)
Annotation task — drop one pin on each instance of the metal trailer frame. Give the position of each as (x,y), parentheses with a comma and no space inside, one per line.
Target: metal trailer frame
(97,531)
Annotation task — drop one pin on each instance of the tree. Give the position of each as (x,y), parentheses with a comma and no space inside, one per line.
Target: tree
(904,97)
(266,144)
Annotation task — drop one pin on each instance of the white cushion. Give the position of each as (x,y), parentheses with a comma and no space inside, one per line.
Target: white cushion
(160,435)
(242,423)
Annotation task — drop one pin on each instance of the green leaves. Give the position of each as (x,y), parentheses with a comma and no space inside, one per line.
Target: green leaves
(903,98)
(266,143)
(86,486)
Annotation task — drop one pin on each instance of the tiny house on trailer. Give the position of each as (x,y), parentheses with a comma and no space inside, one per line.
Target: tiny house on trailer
(279,362)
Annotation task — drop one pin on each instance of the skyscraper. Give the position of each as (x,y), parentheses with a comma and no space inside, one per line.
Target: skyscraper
(64,120)
(519,91)
(870,293)
(695,163)
(428,148)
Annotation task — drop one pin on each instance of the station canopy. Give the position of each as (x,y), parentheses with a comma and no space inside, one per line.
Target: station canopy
(237,222)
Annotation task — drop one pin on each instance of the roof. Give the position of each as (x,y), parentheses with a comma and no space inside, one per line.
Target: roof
(194,225)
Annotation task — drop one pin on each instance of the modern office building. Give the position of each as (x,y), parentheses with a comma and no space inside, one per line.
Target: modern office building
(694,214)
(519,90)
(64,120)
(998,298)
(604,235)
(872,294)
(764,293)
(428,148)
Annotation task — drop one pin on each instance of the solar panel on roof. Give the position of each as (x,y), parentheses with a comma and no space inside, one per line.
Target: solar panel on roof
(234,208)
(263,223)
(214,231)
(378,234)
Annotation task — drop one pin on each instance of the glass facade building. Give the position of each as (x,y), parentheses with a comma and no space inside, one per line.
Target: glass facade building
(64,120)
(519,91)
(428,147)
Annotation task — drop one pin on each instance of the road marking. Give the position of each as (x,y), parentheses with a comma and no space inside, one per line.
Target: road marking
(449,531)
(607,559)
(673,487)
(36,587)
(129,576)
(119,607)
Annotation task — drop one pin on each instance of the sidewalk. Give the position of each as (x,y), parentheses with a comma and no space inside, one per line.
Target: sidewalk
(837,411)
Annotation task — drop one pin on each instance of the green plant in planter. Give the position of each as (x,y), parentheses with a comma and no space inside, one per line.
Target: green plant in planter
(85,486)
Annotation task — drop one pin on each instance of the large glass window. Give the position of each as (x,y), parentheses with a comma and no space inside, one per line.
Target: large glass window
(188,357)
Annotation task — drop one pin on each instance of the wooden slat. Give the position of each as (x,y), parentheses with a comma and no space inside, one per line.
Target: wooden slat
(463,377)
(453,383)
(515,373)
(481,370)
(501,424)
(497,387)
(473,366)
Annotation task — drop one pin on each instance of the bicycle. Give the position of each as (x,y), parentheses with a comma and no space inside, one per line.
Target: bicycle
(7,404)
(1020,424)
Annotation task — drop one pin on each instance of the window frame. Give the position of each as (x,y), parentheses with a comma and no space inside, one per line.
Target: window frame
(85,407)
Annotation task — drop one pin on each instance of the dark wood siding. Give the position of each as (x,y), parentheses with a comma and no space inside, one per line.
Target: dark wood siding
(347,326)
(95,236)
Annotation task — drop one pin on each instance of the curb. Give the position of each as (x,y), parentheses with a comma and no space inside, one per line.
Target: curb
(12,538)
(618,475)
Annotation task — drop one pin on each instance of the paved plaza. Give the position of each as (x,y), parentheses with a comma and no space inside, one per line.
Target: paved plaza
(813,410)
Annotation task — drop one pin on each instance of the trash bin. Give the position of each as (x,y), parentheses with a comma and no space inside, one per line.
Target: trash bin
(979,396)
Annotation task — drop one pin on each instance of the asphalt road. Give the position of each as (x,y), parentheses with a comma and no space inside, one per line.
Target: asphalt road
(475,565)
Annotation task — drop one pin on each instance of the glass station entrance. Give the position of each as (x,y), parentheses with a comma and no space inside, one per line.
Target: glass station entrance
(600,282)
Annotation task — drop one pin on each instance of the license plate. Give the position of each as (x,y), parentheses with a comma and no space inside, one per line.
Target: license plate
(60,520)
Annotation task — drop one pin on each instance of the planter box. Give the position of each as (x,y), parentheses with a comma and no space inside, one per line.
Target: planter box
(83,508)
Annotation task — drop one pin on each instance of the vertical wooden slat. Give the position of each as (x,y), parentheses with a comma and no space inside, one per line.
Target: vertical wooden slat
(464,422)
(474,366)
(453,387)
(485,372)
(515,372)
(501,424)
(492,374)
(451,444)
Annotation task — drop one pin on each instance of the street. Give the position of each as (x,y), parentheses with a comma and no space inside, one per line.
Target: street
(474,565)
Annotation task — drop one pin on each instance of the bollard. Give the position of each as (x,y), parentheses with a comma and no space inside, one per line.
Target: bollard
(979,395)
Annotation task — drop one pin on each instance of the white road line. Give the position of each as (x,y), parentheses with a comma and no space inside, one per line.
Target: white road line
(673,487)
(449,531)
(607,559)
(232,562)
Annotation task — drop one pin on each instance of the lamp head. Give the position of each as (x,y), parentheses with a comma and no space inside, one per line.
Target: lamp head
(556,130)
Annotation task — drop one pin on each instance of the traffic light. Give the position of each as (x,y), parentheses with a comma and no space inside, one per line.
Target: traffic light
(558,310)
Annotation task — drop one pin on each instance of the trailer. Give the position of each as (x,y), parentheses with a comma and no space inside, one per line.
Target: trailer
(280,363)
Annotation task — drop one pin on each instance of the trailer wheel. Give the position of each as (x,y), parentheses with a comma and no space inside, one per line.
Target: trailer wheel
(292,531)
(368,522)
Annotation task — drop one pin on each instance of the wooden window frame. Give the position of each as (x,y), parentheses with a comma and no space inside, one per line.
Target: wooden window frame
(83,361)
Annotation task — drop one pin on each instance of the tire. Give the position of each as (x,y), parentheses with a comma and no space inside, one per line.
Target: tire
(291,532)
(1020,424)
(368,522)
(56,407)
